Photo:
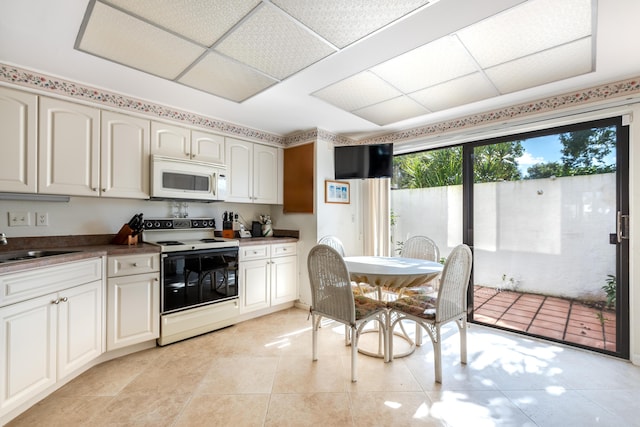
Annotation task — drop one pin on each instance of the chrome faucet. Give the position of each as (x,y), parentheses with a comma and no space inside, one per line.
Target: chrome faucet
(3,239)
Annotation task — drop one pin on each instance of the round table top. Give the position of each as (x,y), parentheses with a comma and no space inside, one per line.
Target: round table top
(392,272)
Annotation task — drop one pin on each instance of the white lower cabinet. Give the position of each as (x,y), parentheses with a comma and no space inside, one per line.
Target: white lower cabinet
(268,275)
(44,338)
(133,300)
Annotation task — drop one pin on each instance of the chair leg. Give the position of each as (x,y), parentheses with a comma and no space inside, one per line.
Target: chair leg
(354,354)
(437,355)
(418,334)
(347,336)
(463,340)
(315,320)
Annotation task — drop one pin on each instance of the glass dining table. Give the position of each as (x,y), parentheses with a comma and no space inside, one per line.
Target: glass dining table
(393,274)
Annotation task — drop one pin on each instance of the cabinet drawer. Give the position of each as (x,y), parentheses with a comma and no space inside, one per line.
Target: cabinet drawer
(125,265)
(283,249)
(23,285)
(255,252)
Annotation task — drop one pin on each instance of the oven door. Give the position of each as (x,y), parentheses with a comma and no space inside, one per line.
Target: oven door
(196,278)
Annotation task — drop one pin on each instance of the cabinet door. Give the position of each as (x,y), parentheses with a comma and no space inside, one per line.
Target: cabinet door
(254,285)
(125,145)
(69,148)
(172,141)
(265,174)
(18,130)
(239,156)
(27,350)
(133,310)
(207,147)
(79,326)
(284,279)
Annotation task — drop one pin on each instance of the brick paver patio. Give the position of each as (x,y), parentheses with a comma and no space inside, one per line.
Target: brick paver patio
(561,319)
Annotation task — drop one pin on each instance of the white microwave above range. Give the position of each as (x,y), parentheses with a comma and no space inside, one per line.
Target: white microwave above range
(173,178)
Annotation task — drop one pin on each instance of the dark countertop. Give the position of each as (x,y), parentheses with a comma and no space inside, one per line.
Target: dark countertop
(91,246)
(80,252)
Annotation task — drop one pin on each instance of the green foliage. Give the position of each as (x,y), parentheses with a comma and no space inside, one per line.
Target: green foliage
(610,288)
(583,152)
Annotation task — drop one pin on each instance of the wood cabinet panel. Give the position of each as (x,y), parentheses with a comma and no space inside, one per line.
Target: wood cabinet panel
(298,179)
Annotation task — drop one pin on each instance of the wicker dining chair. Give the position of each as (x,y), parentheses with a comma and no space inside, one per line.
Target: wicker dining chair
(332,298)
(336,243)
(431,313)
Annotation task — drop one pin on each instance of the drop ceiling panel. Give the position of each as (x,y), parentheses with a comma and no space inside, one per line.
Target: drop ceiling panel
(464,90)
(358,91)
(341,22)
(121,38)
(433,63)
(274,44)
(226,78)
(552,65)
(203,21)
(391,111)
(531,27)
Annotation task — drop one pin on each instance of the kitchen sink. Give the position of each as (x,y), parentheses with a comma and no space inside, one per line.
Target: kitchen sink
(25,255)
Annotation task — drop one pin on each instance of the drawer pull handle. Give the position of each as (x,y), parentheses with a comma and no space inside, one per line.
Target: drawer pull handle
(135,264)
(65,299)
(56,301)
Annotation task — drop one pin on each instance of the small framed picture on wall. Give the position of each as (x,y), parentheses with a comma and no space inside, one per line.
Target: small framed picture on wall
(336,192)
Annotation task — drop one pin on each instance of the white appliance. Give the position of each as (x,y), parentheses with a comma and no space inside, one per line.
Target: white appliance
(173,178)
(198,275)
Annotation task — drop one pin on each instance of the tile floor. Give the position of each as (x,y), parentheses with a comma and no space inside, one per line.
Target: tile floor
(557,318)
(260,373)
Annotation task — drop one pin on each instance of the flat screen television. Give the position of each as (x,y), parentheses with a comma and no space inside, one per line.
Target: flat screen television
(363,161)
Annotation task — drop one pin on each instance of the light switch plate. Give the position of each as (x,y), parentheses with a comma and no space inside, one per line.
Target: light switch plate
(42,219)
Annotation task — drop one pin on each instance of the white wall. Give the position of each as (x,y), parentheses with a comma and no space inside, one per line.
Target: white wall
(549,235)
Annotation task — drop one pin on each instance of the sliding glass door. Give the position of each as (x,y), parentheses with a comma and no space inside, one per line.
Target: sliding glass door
(545,215)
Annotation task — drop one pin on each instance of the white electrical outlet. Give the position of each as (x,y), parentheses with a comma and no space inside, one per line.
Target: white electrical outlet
(19,219)
(42,219)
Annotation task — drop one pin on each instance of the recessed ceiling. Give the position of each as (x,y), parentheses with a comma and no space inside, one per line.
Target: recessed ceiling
(237,49)
(234,49)
(535,43)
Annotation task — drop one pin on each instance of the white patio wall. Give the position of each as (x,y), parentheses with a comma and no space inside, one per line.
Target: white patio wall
(550,236)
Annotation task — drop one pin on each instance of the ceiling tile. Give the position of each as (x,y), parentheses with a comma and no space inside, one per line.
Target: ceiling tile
(272,43)
(527,28)
(391,111)
(203,21)
(358,91)
(436,62)
(344,22)
(544,67)
(226,78)
(464,90)
(121,38)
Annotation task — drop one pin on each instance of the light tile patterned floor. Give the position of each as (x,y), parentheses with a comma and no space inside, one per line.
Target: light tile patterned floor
(260,373)
(557,318)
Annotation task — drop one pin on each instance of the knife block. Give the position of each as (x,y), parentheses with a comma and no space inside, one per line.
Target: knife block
(125,237)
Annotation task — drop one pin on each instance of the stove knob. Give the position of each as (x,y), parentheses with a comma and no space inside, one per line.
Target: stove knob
(148,224)
(168,224)
(195,224)
(156,224)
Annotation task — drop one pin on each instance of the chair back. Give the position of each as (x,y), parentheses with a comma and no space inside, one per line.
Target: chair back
(420,247)
(454,282)
(334,242)
(331,294)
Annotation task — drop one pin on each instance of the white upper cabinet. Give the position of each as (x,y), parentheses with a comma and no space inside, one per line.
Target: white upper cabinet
(169,140)
(175,141)
(207,147)
(69,148)
(125,146)
(253,172)
(18,130)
